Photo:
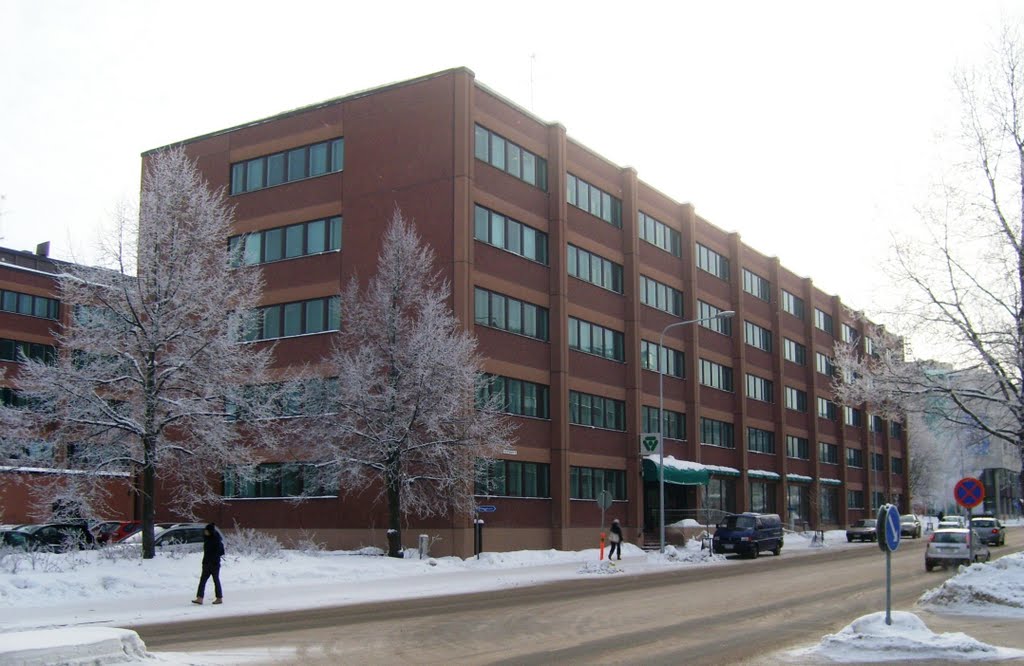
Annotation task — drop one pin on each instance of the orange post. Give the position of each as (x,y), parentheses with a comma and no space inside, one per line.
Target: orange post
(602,546)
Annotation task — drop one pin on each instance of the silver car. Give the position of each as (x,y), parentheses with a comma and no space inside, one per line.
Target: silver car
(952,546)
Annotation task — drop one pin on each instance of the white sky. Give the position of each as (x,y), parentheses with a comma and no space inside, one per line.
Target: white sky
(772,118)
(61,604)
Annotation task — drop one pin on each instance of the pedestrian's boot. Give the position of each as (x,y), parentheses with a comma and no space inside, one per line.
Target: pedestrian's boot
(198,600)
(218,600)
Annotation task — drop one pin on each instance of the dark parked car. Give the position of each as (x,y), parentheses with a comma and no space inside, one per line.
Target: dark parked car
(989,530)
(910,526)
(20,540)
(61,537)
(748,534)
(862,530)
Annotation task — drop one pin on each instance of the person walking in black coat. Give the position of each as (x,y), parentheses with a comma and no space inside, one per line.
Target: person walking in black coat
(213,550)
(615,539)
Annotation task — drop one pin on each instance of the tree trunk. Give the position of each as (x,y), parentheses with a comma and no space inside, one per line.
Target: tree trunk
(148,511)
(394,515)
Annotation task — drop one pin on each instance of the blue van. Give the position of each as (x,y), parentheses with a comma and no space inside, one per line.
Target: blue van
(748,534)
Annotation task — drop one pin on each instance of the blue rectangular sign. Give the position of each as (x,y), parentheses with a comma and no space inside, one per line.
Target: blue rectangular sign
(486,508)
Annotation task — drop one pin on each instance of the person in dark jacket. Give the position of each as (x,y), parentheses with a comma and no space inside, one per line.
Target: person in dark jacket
(213,550)
(615,539)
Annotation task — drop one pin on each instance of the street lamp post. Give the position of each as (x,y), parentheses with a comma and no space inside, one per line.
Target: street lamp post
(661,419)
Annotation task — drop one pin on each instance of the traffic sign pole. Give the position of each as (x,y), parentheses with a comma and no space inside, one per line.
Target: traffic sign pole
(888,540)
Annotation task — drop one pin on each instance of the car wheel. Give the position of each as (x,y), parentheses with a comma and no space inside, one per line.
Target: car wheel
(849,539)
(778,550)
(928,565)
(754,552)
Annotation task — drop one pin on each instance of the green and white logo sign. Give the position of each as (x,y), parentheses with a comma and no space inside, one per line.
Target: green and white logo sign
(649,442)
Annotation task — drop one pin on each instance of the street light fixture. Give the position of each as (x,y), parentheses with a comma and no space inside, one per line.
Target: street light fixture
(725,314)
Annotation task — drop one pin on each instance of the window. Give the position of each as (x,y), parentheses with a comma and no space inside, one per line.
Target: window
(710,261)
(593,200)
(13,350)
(675,422)
(721,495)
(878,462)
(798,501)
(796,399)
(760,441)
(595,269)
(828,453)
(757,336)
(316,315)
(756,285)
(521,163)
(511,478)
(826,409)
(897,465)
(707,313)
(759,388)
(661,296)
(794,351)
(273,480)
(28,304)
(877,499)
(518,397)
(296,240)
(717,433)
(659,234)
(594,410)
(824,364)
(794,305)
(855,499)
(895,429)
(876,423)
(304,162)
(849,333)
(797,447)
(823,321)
(715,375)
(828,499)
(593,339)
(854,458)
(508,314)
(508,234)
(851,416)
(282,400)
(762,496)
(587,482)
(671,359)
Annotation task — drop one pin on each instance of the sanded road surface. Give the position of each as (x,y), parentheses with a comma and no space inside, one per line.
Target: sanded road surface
(738,614)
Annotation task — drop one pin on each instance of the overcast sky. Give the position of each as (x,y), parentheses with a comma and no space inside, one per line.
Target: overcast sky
(772,118)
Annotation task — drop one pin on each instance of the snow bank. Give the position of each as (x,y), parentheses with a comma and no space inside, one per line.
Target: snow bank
(870,639)
(996,588)
(73,646)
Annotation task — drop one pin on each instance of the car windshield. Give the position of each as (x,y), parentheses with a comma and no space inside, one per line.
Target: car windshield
(865,523)
(983,523)
(950,537)
(14,538)
(908,519)
(737,523)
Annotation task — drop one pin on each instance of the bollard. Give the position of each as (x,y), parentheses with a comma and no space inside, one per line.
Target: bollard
(478,537)
(424,546)
(602,546)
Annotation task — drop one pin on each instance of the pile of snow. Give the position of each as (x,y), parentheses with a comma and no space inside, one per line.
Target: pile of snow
(996,588)
(74,645)
(870,639)
(603,567)
(692,553)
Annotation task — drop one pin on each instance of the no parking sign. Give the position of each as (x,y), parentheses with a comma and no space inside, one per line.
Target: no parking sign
(969,492)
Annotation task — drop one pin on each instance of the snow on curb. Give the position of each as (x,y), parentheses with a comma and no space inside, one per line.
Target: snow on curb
(980,589)
(72,646)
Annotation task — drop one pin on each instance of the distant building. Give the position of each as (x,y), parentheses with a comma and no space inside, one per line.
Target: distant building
(568,268)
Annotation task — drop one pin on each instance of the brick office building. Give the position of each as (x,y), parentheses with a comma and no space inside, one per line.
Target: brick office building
(567,268)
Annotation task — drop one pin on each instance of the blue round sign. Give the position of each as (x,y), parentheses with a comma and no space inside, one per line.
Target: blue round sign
(888,527)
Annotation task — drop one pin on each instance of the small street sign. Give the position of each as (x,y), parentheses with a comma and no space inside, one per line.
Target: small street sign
(486,508)
(604,499)
(649,442)
(888,528)
(969,492)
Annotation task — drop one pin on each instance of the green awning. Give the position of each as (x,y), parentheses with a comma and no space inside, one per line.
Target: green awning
(680,477)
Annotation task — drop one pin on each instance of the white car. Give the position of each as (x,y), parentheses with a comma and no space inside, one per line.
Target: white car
(953,547)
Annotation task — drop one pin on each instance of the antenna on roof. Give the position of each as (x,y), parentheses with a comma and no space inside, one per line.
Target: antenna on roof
(533,61)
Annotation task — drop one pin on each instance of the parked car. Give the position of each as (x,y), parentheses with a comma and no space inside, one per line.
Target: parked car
(910,526)
(862,530)
(112,531)
(953,547)
(181,534)
(950,525)
(137,536)
(748,534)
(989,530)
(62,537)
(20,540)
(953,519)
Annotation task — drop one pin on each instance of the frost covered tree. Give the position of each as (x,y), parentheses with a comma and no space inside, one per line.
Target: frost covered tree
(965,277)
(403,422)
(149,372)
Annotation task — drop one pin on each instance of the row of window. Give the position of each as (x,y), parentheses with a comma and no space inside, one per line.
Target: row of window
(282,320)
(288,166)
(593,339)
(597,411)
(296,240)
(673,425)
(511,478)
(671,362)
(712,262)
(594,200)
(518,396)
(511,235)
(29,304)
(661,296)
(273,480)
(594,269)
(509,314)
(659,234)
(511,158)
(707,314)
(13,350)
